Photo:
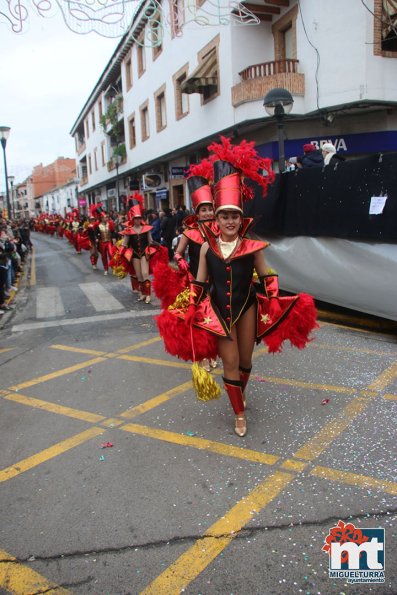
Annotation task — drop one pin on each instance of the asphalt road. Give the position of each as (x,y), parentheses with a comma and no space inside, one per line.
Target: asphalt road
(179,503)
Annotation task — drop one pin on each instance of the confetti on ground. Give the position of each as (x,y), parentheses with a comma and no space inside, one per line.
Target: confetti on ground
(324,401)
(107,445)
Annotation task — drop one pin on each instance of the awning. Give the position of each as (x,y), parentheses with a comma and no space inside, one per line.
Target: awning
(205,75)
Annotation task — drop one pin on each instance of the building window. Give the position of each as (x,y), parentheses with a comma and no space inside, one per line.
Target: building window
(132,131)
(177,13)
(87,128)
(128,72)
(96,159)
(93,119)
(141,56)
(100,110)
(209,55)
(181,99)
(161,109)
(385,28)
(103,153)
(156,30)
(89,165)
(144,111)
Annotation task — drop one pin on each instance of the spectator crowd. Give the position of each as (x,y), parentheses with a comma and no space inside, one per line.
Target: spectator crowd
(15,244)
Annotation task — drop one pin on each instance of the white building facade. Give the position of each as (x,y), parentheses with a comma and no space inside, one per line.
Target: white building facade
(167,95)
(61,200)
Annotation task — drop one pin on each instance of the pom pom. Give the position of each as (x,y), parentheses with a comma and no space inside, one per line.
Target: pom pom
(204,384)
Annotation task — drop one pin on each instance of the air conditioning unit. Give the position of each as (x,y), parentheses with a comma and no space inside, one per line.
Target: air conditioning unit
(111,193)
(152,181)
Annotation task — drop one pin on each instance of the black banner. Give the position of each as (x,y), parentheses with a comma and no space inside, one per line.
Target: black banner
(333,201)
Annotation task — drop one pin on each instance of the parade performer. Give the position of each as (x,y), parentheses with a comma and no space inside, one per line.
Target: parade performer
(223,300)
(136,248)
(75,229)
(105,234)
(198,181)
(93,222)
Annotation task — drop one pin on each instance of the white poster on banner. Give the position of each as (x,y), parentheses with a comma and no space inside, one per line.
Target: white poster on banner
(377,205)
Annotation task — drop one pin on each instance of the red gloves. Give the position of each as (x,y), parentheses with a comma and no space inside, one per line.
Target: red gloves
(183,265)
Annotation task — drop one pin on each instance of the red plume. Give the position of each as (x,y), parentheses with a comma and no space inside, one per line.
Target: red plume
(244,158)
(203,169)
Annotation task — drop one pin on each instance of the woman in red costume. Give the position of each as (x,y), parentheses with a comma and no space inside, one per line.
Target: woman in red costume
(223,299)
(136,248)
(193,238)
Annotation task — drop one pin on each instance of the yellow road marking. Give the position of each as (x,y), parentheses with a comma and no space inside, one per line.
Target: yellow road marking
(156,362)
(391,397)
(33,268)
(58,373)
(78,350)
(156,401)
(54,408)
(291,465)
(384,379)
(310,385)
(21,580)
(192,562)
(4,349)
(112,423)
(202,444)
(355,479)
(320,441)
(139,345)
(49,453)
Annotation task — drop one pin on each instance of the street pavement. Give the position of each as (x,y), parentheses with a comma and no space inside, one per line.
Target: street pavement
(116,480)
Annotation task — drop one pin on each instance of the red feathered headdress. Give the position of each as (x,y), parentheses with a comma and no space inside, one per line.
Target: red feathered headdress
(96,210)
(232,165)
(199,177)
(137,206)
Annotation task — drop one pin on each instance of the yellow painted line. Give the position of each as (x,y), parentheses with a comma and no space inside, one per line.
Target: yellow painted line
(300,384)
(291,465)
(155,362)
(196,559)
(139,345)
(384,379)
(354,479)
(22,580)
(369,393)
(4,349)
(33,268)
(391,397)
(320,441)
(156,401)
(49,453)
(112,423)
(54,408)
(58,373)
(316,345)
(4,392)
(77,350)
(202,444)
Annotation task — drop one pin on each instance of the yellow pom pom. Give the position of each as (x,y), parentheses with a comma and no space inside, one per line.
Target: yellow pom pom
(181,301)
(205,386)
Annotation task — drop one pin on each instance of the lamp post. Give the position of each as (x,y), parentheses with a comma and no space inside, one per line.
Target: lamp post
(12,204)
(117,160)
(277,103)
(4,132)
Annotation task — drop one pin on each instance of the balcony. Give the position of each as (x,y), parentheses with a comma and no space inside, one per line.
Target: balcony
(83,180)
(258,79)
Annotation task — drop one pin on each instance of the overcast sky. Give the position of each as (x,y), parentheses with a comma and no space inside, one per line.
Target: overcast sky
(47,74)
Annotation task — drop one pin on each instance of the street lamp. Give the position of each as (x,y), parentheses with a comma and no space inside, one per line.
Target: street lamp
(11,180)
(117,160)
(277,103)
(4,132)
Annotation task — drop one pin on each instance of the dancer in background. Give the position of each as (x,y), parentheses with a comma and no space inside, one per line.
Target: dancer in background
(105,234)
